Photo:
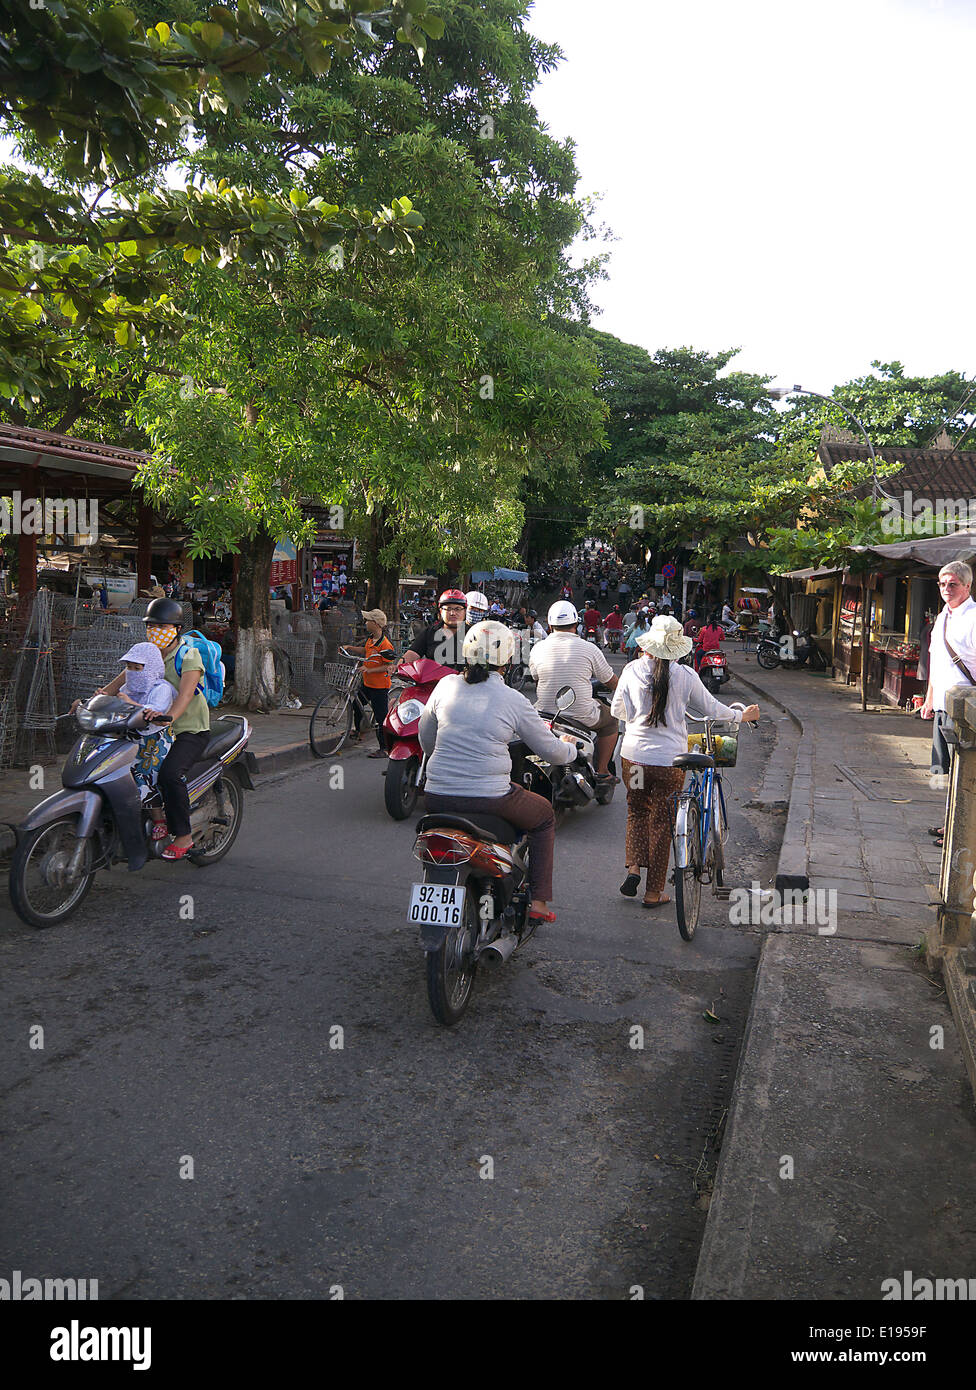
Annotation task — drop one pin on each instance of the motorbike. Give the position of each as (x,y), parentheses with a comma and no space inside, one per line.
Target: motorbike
(472,906)
(614,635)
(98,819)
(402,783)
(714,670)
(791,650)
(574,784)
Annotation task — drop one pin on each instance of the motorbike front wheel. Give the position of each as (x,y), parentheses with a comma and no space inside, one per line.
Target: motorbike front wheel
(768,656)
(400,788)
(41,894)
(452,967)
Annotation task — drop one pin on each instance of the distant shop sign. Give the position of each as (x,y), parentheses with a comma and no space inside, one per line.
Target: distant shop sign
(284,563)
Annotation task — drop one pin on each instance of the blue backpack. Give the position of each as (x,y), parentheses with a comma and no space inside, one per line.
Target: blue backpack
(213,667)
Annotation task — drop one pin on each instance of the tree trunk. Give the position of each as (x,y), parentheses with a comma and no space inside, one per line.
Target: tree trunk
(254,678)
(384,580)
(865,641)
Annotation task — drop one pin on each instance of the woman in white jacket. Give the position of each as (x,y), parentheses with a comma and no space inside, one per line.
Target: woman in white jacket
(653,696)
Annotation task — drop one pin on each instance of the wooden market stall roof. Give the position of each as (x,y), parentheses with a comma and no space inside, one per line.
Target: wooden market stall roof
(101,469)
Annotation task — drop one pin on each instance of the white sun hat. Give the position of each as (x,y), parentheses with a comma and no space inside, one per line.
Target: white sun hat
(665,638)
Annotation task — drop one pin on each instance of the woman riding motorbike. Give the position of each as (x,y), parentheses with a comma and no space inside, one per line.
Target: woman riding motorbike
(465,730)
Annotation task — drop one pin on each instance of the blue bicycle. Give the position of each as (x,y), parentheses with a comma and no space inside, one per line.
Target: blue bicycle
(700,824)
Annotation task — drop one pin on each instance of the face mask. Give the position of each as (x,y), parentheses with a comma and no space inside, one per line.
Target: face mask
(160,636)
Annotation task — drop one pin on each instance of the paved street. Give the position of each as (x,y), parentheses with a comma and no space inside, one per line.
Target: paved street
(169,1038)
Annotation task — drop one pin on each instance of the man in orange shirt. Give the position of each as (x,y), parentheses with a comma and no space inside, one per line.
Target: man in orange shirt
(379,654)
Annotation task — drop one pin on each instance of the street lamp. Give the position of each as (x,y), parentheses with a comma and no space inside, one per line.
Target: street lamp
(779,393)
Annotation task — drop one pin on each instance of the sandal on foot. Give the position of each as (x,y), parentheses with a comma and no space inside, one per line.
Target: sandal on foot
(174,852)
(160,830)
(937,831)
(542,917)
(630,885)
(658,902)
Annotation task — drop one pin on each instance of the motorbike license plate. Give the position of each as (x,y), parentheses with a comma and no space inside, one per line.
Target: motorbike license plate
(436,903)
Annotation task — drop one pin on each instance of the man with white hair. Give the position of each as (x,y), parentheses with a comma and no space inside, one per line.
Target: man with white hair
(952,654)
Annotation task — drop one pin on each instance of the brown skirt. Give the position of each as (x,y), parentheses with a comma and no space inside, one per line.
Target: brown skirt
(649,818)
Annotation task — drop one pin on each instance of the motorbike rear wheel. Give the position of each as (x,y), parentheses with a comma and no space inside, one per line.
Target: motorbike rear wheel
(711,683)
(221,837)
(401,787)
(767,654)
(452,967)
(39,862)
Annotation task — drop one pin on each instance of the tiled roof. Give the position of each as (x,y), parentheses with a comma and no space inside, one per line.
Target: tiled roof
(931,473)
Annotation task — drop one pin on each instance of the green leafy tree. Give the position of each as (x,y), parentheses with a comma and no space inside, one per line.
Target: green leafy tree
(894,408)
(415,393)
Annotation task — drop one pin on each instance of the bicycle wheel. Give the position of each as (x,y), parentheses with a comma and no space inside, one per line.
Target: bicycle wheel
(330,723)
(716,843)
(687,881)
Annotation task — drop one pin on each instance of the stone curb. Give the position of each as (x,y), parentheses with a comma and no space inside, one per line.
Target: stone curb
(793,865)
(725,1246)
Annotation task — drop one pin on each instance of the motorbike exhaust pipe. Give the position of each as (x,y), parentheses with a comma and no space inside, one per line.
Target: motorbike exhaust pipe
(498,952)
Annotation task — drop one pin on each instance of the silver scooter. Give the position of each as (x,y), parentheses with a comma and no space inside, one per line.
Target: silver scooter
(98,819)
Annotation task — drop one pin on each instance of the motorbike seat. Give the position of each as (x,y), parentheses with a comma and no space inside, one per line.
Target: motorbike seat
(219,742)
(481,824)
(700,760)
(223,739)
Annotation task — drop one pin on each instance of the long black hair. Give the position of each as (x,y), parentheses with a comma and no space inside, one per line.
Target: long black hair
(660,686)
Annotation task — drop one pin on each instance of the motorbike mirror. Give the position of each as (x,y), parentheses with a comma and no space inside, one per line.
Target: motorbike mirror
(565,697)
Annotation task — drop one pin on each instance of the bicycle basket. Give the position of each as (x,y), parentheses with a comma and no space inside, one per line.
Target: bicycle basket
(725,743)
(342,675)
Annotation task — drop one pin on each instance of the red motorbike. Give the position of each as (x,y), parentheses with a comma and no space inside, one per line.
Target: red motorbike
(402,785)
(714,670)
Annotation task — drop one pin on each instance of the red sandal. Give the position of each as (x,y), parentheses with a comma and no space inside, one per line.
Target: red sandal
(160,830)
(542,917)
(173,852)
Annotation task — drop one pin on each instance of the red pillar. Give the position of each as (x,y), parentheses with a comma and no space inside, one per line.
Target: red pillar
(144,551)
(27,544)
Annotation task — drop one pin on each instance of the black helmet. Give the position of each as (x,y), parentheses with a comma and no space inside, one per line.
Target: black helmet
(164,612)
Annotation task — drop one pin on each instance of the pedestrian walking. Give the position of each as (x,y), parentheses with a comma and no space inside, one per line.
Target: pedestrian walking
(653,696)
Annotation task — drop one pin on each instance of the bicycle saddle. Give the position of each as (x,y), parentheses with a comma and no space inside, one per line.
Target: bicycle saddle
(693,760)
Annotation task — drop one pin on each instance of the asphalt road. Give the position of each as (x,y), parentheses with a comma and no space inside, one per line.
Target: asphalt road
(203,1028)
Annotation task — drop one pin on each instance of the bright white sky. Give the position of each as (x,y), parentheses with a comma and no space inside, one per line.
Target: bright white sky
(793,179)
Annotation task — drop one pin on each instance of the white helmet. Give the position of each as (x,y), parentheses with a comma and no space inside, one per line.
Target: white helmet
(488,644)
(477,603)
(562,614)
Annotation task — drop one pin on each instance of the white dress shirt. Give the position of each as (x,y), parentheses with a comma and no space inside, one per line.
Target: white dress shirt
(943,671)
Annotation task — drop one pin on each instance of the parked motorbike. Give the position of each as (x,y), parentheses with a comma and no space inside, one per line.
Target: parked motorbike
(472,906)
(570,786)
(402,783)
(98,819)
(792,650)
(714,671)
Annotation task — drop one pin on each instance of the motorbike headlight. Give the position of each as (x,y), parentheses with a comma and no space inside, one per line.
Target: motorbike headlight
(409,710)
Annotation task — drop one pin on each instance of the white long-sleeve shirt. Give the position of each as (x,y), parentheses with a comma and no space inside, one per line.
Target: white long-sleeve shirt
(658,746)
(943,671)
(465,730)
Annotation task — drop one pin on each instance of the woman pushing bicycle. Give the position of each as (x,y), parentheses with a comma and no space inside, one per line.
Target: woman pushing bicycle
(653,696)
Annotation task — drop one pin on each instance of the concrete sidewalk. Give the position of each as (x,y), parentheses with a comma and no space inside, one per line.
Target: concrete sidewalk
(278,741)
(848,1153)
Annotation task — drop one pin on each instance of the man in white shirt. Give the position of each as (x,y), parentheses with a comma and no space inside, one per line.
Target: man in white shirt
(566,659)
(957,624)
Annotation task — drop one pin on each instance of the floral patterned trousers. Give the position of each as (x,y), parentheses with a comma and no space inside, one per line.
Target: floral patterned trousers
(649,818)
